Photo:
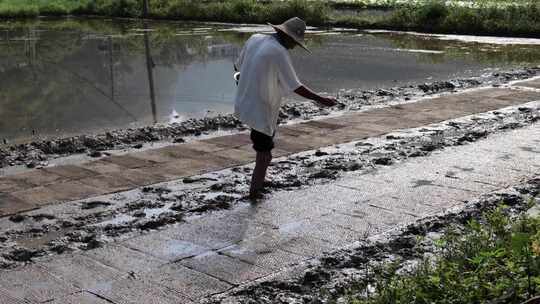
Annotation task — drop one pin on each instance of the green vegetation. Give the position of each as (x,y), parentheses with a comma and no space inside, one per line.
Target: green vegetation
(245,11)
(489,17)
(436,16)
(522,19)
(493,261)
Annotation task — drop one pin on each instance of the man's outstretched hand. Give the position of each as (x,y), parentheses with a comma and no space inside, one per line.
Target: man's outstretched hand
(309,94)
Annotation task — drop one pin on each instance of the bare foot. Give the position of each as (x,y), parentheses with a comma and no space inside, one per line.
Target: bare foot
(255,197)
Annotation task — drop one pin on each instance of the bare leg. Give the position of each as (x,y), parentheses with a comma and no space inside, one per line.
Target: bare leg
(259,173)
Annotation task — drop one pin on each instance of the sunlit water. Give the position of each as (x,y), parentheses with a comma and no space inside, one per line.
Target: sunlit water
(68,77)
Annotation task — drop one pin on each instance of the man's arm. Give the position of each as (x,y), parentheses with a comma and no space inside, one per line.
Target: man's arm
(309,94)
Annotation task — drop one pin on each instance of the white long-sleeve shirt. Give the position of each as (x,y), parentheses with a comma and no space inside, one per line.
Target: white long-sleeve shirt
(266,76)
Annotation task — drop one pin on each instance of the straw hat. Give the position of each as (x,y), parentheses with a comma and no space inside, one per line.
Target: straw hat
(294,28)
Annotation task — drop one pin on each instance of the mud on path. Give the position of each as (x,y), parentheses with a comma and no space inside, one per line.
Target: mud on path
(343,273)
(40,152)
(90,223)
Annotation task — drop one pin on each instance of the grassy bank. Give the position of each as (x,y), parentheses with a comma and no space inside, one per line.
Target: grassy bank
(436,16)
(496,261)
(241,11)
(485,17)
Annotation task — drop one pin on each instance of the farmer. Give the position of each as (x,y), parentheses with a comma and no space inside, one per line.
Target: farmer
(267,75)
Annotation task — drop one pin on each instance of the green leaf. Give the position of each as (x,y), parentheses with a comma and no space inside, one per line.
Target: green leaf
(520,240)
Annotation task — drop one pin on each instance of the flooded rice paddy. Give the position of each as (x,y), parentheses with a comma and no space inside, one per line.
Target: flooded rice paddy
(80,76)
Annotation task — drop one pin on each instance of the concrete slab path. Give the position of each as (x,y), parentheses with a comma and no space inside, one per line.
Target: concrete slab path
(40,187)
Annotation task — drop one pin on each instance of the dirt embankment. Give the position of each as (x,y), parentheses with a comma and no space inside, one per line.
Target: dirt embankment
(38,153)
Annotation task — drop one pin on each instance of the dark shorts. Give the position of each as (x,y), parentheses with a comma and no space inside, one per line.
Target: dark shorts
(261,141)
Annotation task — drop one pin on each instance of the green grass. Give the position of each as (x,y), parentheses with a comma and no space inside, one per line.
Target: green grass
(436,16)
(242,11)
(486,17)
(493,261)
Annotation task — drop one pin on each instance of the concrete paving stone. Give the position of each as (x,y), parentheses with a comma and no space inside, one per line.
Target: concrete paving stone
(324,124)
(210,160)
(416,194)
(82,297)
(285,219)
(33,284)
(225,268)
(514,162)
(107,183)
(213,231)
(73,190)
(193,284)
(366,219)
(426,116)
(337,121)
(214,162)
(480,93)
(263,238)
(432,174)
(177,168)
(490,92)
(305,128)
(36,196)
(37,177)
(329,232)
(124,259)
(497,176)
(420,203)
(159,155)
(493,165)
(493,104)
(162,246)
(390,111)
(523,149)
(315,141)
(382,127)
(268,258)
(230,141)
(10,205)
(184,152)
(362,187)
(102,167)
(11,185)
(376,217)
(282,207)
(520,97)
(287,130)
(202,146)
(535,84)
(81,271)
(383,195)
(128,161)
(134,291)
(308,247)
(140,177)
(291,144)
(238,155)
(5,298)
(352,133)
(362,117)
(70,171)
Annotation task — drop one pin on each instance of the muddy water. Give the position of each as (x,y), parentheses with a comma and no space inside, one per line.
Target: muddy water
(67,77)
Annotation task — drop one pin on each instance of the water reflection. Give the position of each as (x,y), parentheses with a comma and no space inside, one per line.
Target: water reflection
(85,75)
